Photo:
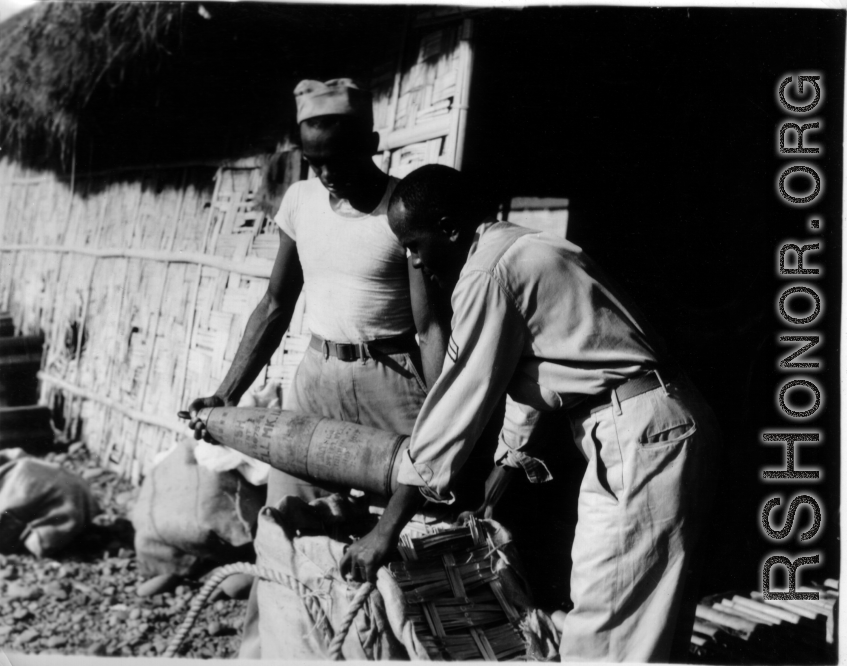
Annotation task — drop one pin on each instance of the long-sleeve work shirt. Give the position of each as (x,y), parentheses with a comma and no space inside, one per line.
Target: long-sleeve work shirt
(535,318)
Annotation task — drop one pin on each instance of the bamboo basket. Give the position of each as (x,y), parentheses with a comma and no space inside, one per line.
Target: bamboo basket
(459,607)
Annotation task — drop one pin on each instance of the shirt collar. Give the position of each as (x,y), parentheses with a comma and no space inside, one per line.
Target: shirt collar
(486,224)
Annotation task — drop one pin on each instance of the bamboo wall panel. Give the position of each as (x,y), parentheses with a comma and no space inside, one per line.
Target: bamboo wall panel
(142,281)
(131,339)
(420,96)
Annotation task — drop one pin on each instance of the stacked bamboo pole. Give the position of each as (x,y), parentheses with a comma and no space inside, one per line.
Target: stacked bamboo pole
(745,629)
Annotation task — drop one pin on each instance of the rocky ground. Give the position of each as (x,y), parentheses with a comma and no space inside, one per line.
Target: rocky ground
(86,601)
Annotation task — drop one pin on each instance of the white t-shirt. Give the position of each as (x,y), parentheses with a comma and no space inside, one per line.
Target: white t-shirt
(355,270)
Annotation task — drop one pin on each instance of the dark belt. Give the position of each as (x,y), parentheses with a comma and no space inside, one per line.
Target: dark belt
(629,389)
(350,351)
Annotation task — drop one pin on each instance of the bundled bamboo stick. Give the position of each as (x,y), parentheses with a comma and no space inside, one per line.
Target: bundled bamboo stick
(454,599)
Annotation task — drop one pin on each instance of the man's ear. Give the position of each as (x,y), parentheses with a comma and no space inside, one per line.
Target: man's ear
(449,226)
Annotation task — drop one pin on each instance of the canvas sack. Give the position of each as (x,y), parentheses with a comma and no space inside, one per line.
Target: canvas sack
(188,517)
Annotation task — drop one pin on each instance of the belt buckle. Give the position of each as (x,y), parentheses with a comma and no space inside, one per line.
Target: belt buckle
(345,352)
(325,349)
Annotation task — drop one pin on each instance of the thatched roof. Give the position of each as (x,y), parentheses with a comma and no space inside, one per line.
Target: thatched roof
(141,83)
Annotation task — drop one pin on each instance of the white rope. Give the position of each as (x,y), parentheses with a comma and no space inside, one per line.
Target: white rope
(359,600)
(318,617)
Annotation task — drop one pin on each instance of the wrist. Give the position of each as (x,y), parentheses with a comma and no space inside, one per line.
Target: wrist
(404,503)
(390,527)
(228,398)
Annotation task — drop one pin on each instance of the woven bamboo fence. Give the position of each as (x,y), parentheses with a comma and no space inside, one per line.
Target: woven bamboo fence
(421,95)
(142,281)
(142,288)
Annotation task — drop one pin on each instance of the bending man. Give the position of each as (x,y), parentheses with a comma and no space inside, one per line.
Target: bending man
(534,318)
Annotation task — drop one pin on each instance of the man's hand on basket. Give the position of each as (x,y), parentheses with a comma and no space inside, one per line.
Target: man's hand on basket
(196,424)
(365,556)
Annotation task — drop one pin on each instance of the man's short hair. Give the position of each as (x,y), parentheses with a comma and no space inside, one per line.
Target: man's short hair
(354,133)
(354,124)
(433,191)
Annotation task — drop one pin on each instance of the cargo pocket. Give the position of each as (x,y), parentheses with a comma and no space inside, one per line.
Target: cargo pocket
(662,435)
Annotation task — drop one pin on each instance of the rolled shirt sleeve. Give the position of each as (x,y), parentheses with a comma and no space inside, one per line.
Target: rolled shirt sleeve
(485,347)
(518,425)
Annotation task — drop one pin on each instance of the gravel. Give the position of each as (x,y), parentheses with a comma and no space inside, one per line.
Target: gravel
(86,600)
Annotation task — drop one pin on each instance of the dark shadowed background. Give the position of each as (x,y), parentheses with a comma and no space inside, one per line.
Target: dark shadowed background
(661,127)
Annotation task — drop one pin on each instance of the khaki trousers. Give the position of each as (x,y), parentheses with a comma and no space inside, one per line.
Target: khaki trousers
(642,502)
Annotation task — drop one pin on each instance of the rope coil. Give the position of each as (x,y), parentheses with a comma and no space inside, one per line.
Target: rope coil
(334,639)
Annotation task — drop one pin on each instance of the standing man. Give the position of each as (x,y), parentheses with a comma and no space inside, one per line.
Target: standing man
(365,299)
(536,319)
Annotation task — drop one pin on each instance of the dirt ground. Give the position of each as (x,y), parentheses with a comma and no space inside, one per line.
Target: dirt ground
(85,600)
